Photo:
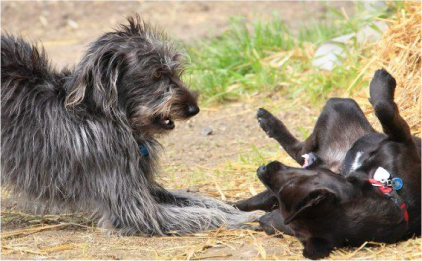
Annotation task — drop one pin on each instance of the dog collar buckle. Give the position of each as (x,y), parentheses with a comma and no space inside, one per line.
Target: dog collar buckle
(384,179)
(387,183)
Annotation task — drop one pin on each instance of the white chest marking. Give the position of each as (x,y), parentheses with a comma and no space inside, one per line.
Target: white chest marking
(356,164)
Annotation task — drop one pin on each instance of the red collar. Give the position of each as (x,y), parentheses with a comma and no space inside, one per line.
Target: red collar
(392,194)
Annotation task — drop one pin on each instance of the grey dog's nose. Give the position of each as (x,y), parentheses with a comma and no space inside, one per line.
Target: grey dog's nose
(193,110)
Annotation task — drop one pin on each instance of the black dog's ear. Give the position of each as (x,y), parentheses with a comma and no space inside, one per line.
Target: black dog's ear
(95,79)
(315,199)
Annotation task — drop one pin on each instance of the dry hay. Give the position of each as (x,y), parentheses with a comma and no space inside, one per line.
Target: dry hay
(400,53)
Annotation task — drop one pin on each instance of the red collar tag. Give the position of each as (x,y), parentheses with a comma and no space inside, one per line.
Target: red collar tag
(388,191)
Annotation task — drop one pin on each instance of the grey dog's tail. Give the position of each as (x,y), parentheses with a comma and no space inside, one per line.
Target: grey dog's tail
(21,63)
(27,78)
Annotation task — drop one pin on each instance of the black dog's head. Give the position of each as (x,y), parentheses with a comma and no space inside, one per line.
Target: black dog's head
(325,209)
(304,192)
(134,71)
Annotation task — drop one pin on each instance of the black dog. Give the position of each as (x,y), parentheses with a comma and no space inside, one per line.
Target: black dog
(86,137)
(377,197)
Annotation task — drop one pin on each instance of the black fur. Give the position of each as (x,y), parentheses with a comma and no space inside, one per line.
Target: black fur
(324,209)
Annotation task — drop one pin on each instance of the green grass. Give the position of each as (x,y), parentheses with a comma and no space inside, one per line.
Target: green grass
(227,67)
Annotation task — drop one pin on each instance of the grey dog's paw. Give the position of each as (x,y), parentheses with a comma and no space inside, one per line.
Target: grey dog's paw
(268,122)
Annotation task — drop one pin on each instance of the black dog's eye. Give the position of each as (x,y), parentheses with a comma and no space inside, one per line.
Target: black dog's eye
(158,74)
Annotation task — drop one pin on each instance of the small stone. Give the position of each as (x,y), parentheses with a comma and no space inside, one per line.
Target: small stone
(43,20)
(207,131)
(72,24)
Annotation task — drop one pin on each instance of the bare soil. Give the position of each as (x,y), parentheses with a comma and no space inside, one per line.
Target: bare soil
(191,159)
(65,28)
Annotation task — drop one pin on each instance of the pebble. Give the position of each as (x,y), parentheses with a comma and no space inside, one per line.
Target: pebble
(207,131)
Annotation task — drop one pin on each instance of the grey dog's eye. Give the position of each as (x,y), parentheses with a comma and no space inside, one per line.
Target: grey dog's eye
(158,74)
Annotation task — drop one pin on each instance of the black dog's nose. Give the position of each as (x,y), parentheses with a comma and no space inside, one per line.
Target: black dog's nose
(261,170)
(193,110)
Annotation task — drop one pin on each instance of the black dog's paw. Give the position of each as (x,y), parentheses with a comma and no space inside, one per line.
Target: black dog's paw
(383,76)
(382,86)
(317,248)
(273,222)
(267,227)
(268,122)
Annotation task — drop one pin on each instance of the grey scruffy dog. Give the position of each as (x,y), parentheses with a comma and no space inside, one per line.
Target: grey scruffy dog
(85,137)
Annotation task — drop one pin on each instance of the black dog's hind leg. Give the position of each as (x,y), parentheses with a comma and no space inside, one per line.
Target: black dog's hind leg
(265,201)
(382,89)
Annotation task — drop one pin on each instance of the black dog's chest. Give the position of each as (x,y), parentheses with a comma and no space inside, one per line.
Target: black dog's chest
(360,153)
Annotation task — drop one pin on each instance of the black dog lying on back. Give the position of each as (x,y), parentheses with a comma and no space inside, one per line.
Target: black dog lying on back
(377,197)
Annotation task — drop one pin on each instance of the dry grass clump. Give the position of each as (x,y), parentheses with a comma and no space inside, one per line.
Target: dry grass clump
(400,53)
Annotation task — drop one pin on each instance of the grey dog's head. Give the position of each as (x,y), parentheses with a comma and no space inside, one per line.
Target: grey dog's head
(136,72)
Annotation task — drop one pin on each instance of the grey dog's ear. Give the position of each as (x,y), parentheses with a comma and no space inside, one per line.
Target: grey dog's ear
(314,201)
(95,79)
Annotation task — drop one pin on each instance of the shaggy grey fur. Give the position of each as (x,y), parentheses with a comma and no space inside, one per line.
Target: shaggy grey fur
(72,138)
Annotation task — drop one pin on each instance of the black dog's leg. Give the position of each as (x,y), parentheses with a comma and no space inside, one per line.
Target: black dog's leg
(382,89)
(274,221)
(265,201)
(339,125)
(277,130)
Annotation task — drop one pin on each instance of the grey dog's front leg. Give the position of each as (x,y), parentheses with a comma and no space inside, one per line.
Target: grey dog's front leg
(188,214)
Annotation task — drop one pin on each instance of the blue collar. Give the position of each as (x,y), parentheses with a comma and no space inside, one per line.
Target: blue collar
(143,150)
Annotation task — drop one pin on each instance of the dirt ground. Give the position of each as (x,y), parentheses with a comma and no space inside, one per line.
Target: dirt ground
(65,28)
(191,159)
